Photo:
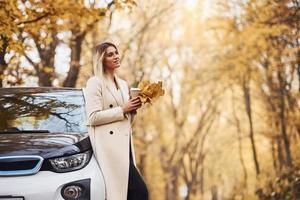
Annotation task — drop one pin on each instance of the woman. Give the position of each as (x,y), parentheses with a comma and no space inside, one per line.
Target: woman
(110,111)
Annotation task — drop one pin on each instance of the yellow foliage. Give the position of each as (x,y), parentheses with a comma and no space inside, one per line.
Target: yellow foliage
(150,91)
(48,70)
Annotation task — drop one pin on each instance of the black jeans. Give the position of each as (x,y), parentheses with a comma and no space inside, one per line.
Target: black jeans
(137,189)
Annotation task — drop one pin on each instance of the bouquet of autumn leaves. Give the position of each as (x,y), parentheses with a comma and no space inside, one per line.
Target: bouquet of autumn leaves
(150,91)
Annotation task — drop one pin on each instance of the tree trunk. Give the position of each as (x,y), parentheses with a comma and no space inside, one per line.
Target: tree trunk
(45,69)
(45,76)
(189,193)
(214,193)
(75,46)
(171,188)
(247,98)
(274,155)
(279,153)
(3,64)
(202,180)
(298,64)
(282,118)
(239,137)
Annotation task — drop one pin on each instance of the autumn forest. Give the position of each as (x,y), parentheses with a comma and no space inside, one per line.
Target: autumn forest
(228,125)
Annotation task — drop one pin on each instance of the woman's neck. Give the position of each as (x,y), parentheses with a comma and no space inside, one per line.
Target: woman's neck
(110,75)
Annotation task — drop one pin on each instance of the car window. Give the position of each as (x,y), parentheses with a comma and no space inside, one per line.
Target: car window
(57,111)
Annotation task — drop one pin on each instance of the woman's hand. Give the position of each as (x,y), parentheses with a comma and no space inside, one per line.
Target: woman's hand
(132,105)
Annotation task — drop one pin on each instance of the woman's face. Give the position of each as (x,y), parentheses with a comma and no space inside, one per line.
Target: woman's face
(111,59)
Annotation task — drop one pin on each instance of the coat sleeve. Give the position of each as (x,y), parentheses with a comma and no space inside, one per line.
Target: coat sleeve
(96,115)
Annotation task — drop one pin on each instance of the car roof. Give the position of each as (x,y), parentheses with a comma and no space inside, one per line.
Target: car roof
(20,90)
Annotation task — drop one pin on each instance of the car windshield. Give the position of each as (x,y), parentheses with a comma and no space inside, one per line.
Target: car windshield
(42,111)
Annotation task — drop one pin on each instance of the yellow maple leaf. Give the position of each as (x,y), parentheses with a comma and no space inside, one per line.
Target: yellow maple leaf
(150,91)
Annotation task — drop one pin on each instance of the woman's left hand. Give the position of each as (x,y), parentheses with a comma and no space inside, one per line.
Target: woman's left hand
(132,105)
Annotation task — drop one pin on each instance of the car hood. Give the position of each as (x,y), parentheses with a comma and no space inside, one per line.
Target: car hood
(47,145)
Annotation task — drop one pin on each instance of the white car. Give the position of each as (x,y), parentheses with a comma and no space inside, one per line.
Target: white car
(45,151)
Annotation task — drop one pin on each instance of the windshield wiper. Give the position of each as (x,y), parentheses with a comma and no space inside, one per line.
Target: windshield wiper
(16,130)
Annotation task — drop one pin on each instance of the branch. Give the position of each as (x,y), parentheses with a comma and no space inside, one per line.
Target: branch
(35,65)
(144,27)
(34,20)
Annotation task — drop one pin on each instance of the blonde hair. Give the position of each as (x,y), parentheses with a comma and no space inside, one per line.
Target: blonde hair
(98,55)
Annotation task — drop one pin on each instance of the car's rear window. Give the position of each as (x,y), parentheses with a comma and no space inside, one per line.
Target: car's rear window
(54,111)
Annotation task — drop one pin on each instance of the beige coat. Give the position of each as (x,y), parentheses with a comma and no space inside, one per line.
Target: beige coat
(110,131)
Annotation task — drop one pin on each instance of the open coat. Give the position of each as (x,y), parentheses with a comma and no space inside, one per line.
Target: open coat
(110,132)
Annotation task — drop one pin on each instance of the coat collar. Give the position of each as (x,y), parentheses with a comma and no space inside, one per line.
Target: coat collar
(118,95)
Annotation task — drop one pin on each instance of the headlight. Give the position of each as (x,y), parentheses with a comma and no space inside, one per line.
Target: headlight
(71,163)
